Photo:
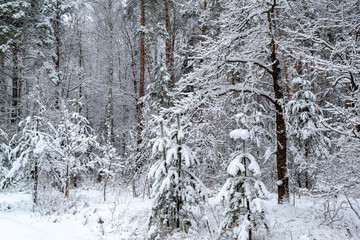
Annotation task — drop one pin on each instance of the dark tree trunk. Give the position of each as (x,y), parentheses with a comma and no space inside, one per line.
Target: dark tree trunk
(169,45)
(36,182)
(15,86)
(178,204)
(281,149)
(57,60)
(140,106)
(167,40)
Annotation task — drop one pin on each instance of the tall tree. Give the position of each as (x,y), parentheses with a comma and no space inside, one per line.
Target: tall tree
(248,46)
(13,26)
(142,71)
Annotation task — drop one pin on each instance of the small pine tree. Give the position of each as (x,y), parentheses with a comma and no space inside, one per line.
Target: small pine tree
(304,120)
(243,191)
(73,142)
(29,157)
(109,164)
(176,190)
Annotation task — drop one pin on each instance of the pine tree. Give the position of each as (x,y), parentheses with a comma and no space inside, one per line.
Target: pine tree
(158,94)
(74,142)
(29,157)
(243,191)
(109,164)
(304,119)
(12,22)
(176,190)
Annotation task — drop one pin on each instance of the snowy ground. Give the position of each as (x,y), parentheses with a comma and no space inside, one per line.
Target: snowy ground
(125,217)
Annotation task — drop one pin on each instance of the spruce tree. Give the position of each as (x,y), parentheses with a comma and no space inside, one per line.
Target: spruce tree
(243,191)
(310,145)
(29,157)
(177,192)
(74,142)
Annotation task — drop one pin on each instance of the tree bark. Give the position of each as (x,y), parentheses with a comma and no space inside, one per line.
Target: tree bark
(168,45)
(15,86)
(110,105)
(281,148)
(167,40)
(36,182)
(142,74)
(140,105)
(67,183)
(178,197)
(57,50)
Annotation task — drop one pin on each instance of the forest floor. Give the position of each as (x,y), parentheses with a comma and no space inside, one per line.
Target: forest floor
(86,216)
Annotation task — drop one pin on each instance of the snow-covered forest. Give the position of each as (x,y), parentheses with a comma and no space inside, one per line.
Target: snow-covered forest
(180,119)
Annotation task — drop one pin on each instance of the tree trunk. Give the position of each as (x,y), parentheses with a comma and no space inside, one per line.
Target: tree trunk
(15,86)
(36,182)
(247,200)
(178,197)
(57,60)
(109,121)
(139,105)
(67,184)
(168,45)
(167,40)
(281,149)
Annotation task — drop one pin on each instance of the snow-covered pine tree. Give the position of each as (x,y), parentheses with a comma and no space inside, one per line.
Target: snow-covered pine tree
(158,94)
(109,164)
(12,22)
(4,154)
(74,141)
(243,191)
(157,99)
(177,191)
(310,145)
(30,154)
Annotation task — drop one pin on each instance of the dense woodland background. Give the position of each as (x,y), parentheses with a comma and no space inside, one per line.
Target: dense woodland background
(176,97)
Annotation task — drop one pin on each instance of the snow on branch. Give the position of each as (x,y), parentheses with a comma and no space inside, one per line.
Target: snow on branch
(224,89)
(259,63)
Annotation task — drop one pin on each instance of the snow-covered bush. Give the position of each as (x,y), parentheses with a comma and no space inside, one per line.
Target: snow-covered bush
(177,192)
(4,154)
(243,191)
(31,155)
(109,164)
(53,202)
(75,143)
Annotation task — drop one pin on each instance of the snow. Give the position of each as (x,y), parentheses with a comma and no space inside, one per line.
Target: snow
(242,134)
(235,166)
(125,217)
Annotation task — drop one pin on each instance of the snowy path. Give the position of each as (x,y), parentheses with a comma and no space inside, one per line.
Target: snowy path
(18,222)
